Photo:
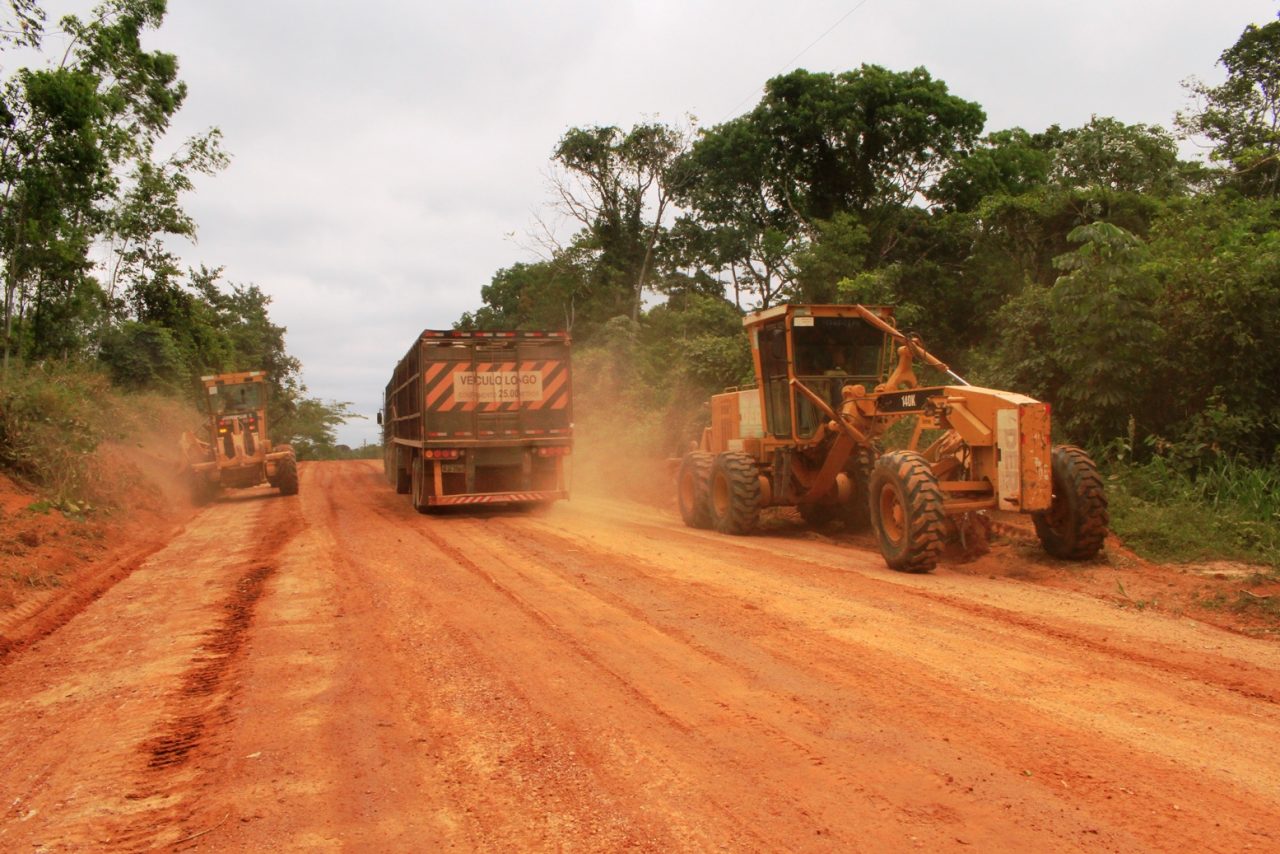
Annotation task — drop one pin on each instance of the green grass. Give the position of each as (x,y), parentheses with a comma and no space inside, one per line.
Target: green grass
(51,417)
(1225,511)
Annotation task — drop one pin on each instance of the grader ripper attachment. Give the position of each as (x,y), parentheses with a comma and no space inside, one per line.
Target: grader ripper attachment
(831,380)
(238,454)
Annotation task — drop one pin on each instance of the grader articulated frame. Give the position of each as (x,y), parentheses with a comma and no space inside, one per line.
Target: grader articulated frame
(831,380)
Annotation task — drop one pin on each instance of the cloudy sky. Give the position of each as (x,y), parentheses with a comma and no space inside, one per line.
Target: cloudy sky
(388,157)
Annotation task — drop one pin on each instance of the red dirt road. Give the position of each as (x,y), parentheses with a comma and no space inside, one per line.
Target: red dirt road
(335,671)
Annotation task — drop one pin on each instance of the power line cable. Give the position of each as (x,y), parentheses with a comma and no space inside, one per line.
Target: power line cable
(792,60)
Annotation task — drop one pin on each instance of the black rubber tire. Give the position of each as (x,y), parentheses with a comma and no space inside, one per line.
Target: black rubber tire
(693,489)
(907,512)
(287,475)
(1075,527)
(818,515)
(401,477)
(735,493)
(856,514)
(418,487)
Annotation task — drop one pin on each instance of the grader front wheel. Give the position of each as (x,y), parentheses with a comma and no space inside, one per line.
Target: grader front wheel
(907,512)
(735,493)
(1075,525)
(287,475)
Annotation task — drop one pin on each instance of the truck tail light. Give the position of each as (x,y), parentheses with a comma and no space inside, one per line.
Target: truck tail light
(442,453)
(553,451)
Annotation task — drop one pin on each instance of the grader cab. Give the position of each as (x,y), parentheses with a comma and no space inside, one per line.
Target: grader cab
(835,384)
(239,453)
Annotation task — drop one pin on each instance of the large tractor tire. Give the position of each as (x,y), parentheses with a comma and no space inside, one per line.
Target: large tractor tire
(906,505)
(735,493)
(1075,526)
(693,489)
(287,475)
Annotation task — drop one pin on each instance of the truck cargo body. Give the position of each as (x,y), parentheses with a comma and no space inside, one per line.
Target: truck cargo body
(480,418)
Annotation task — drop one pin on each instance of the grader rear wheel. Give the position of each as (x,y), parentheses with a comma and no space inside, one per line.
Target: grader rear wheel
(693,486)
(735,493)
(907,513)
(1075,526)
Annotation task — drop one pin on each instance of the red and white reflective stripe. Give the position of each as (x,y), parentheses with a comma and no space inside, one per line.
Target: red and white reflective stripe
(494,497)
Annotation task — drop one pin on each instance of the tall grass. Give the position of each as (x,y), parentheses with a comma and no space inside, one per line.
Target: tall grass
(51,418)
(1224,509)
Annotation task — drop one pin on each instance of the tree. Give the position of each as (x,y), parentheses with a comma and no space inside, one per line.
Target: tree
(1108,153)
(65,135)
(25,27)
(866,142)
(1008,162)
(1241,117)
(617,185)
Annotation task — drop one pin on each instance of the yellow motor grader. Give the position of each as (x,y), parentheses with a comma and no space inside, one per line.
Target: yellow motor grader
(238,455)
(831,382)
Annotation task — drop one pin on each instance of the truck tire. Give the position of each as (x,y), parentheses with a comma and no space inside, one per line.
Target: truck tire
(418,486)
(1075,526)
(287,475)
(693,489)
(907,511)
(735,493)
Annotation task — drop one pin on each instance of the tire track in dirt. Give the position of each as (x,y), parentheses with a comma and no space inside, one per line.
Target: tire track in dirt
(128,720)
(40,617)
(855,559)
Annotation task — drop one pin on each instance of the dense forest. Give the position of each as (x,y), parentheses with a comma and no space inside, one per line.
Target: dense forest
(91,192)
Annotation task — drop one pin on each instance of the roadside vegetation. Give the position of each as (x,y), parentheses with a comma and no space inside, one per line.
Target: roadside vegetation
(99,317)
(1093,267)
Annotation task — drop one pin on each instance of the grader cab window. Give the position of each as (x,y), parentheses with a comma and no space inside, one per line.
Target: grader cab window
(831,352)
(773,367)
(237,397)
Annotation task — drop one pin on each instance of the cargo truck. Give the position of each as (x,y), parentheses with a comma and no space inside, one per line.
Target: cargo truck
(473,418)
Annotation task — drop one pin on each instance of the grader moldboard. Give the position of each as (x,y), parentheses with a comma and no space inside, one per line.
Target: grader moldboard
(831,380)
(239,454)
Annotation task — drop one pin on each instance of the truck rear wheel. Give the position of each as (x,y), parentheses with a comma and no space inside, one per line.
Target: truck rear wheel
(735,493)
(1075,526)
(418,484)
(907,512)
(287,475)
(693,487)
